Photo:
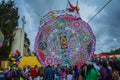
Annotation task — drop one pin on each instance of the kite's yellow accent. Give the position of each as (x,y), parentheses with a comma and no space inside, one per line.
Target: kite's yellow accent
(77,7)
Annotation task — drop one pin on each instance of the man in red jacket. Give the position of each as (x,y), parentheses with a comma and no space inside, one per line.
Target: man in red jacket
(34,72)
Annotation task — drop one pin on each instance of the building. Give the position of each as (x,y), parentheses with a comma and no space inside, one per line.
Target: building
(19,42)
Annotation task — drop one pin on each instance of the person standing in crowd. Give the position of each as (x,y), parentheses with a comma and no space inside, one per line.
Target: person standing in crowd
(115,64)
(76,73)
(58,72)
(33,72)
(24,74)
(63,74)
(91,73)
(8,75)
(19,71)
(14,74)
(69,73)
(41,73)
(49,73)
(105,72)
(83,67)
(115,75)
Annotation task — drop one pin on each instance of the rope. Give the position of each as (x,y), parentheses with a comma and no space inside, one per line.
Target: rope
(76,2)
(99,11)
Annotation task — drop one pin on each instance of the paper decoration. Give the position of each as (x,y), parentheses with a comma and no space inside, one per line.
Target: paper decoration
(64,36)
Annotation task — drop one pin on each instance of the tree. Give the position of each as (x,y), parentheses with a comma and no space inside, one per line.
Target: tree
(8,23)
(27,41)
(114,52)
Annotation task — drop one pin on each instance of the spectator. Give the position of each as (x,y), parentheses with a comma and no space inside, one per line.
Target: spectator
(91,73)
(58,72)
(49,73)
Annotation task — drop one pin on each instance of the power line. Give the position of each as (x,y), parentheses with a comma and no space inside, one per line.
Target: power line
(99,11)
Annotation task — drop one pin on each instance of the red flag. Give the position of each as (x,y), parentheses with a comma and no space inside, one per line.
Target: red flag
(41,55)
(71,6)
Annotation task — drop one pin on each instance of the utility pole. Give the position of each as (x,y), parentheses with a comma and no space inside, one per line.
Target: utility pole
(22,43)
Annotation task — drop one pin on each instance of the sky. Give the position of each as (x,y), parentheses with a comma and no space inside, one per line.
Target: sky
(106,25)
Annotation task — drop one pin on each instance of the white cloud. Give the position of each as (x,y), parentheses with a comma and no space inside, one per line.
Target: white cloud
(29,9)
(30,26)
(105,42)
(87,11)
(30,15)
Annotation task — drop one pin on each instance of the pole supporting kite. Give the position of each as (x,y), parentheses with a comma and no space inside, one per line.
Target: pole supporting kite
(99,11)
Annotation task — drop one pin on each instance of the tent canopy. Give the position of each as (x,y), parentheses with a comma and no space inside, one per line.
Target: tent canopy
(103,55)
(29,60)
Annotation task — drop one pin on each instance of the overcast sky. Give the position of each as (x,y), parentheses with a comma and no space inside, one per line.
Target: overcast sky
(106,25)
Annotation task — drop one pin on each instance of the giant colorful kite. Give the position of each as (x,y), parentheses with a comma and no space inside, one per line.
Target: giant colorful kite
(64,38)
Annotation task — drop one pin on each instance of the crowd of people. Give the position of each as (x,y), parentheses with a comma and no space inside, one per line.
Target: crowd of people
(99,69)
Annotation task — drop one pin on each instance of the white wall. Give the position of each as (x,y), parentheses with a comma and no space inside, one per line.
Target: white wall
(17,43)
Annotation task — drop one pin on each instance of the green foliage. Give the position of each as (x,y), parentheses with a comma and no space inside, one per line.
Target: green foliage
(8,23)
(114,52)
(27,41)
